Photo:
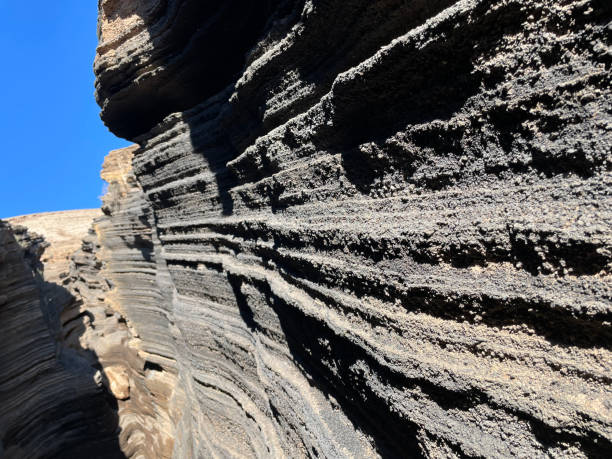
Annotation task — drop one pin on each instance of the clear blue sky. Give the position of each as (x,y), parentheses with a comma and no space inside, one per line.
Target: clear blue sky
(52,140)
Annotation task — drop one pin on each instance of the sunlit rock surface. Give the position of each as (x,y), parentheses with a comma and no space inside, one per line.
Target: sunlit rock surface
(63,232)
(52,404)
(125,296)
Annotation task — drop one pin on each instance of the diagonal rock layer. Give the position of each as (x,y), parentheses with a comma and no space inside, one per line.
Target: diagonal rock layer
(385,226)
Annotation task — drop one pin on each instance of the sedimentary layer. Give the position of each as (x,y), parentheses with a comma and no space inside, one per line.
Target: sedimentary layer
(367,228)
(125,299)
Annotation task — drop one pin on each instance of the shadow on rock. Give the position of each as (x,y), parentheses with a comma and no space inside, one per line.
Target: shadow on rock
(53,398)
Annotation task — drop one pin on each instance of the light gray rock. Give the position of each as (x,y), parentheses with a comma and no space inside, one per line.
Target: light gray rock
(126,295)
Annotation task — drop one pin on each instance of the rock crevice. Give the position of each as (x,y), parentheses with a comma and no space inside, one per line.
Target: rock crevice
(53,402)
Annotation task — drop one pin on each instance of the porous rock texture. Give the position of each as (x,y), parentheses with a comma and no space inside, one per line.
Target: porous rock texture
(354,228)
(361,228)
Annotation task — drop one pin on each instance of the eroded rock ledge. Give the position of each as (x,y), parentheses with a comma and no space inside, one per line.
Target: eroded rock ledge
(53,403)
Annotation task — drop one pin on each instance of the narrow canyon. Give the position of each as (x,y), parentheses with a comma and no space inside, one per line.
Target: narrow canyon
(359,228)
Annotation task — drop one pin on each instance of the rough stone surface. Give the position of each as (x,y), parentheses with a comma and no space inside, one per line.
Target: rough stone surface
(119,381)
(51,404)
(348,229)
(63,232)
(369,227)
(125,291)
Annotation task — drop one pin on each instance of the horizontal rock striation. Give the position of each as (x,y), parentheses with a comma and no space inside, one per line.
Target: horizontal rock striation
(364,228)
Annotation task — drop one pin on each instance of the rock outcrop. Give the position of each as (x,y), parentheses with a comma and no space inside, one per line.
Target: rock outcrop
(126,292)
(62,232)
(369,227)
(348,229)
(52,400)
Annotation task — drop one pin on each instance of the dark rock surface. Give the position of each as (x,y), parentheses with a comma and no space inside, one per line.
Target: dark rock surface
(371,227)
(52,400)
(349,229)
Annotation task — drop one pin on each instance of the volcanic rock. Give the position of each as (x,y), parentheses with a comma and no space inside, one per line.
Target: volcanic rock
(346,229)
(51,404)
(63,232)
(370,227)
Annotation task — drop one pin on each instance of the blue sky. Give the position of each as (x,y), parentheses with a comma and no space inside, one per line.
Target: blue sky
(52,140)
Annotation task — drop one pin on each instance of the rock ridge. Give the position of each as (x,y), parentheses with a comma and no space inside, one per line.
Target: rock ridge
(54,404)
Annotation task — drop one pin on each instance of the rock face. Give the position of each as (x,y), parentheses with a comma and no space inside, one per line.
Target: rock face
(361,228)
(63,233)
(126,292)
(51,397)
(348,229)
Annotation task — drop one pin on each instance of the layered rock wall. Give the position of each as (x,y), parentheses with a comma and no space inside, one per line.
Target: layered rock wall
(53,403)
(348,229)
(382,227)
(125,290)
